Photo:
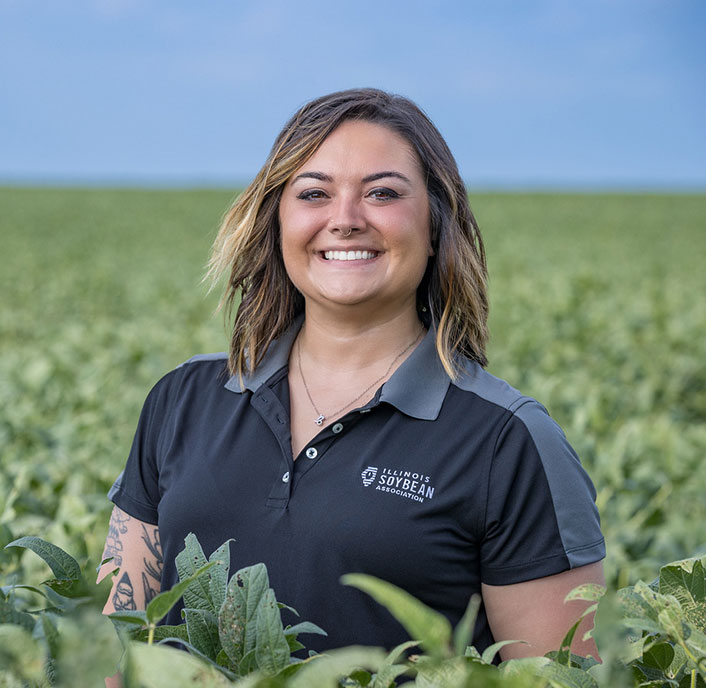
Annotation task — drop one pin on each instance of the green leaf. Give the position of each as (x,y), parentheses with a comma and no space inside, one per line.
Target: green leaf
(157,666)
(489,653)
(360,678)
(562,676)
(9,614)
(136,616)
(587,592)
(430,628)
(686,581)
(398,651)
(323,671)
(63,565)
(218,577)
(202,629)
(161,633)
(20,654)
(160,605)
(464,630)
(386,675)
(272,649)
(46,630)
(659,656)
(304,627)
(188,561)
(237,616)
(564,654)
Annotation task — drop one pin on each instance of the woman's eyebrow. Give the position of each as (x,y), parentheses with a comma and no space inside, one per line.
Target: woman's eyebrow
(313,175)
(387,173)
(323,177)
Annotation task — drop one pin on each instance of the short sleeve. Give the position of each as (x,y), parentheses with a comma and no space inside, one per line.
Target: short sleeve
(136,490)
(541,516)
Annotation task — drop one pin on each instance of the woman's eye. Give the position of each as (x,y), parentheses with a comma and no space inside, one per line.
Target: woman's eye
(311,195)
(383,194)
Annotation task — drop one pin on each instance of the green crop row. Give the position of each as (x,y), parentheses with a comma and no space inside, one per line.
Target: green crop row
(598,309)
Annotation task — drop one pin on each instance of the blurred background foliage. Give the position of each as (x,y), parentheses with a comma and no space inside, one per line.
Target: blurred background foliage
(597,309)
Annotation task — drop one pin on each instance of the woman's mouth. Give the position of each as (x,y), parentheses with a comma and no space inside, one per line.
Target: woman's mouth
(349,255)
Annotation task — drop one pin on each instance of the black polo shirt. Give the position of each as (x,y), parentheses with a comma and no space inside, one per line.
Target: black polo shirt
(433,485)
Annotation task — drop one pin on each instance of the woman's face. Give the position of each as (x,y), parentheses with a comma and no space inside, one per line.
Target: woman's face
(354,221)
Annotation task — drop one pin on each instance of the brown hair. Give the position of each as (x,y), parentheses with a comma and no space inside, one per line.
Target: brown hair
(452,296)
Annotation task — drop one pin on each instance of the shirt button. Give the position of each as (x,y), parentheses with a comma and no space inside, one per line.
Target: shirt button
(285,477)
(337,428)
(311,453)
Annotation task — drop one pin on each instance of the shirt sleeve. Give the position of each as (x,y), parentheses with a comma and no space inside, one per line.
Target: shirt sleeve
(136,490)
(541,516)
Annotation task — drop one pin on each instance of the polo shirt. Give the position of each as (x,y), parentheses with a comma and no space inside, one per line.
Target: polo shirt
(433,485)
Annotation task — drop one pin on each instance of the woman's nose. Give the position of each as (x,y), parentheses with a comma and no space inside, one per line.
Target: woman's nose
(346,216)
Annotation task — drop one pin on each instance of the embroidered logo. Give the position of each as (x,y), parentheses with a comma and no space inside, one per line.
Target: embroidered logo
(368,475)
(408,484)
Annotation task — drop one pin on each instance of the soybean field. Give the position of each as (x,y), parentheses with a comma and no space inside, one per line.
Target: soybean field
(598,309)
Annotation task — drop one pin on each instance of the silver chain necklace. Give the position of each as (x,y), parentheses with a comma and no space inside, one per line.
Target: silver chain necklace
(320,417)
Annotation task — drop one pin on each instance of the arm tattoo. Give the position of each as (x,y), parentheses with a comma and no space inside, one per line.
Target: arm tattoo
(124,596)
(113,544)
(153,569)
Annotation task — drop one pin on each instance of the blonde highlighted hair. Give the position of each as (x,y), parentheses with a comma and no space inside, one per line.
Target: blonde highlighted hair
(452,296)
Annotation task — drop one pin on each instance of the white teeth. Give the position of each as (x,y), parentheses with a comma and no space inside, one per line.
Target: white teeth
(349,255)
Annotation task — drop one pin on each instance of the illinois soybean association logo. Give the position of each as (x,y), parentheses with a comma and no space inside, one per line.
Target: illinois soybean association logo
(408,484)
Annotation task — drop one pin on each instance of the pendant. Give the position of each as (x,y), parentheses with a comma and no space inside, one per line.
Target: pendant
(320,420)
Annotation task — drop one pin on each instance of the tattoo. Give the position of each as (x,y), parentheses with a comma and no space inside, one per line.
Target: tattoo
(153,569)
(124,596)
(113,544)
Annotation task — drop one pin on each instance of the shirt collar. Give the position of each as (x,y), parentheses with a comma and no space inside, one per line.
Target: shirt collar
(417,388)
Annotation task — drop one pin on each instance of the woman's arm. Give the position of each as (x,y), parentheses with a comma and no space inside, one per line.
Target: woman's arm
(535,611)
(137,553)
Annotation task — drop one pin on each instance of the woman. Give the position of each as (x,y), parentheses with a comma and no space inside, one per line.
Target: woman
(352,427)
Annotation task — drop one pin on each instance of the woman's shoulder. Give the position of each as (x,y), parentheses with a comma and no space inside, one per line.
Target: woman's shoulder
(477,380)
(196,374)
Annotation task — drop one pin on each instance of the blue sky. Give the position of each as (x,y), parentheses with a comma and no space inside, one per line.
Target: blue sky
(543,94)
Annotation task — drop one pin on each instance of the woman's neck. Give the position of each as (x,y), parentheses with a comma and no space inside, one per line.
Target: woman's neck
(352,345)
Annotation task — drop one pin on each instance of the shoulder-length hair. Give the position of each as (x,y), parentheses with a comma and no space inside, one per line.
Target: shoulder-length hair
(452,297)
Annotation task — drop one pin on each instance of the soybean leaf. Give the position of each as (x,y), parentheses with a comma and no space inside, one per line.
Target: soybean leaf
(686,581)
(218,578)
(63,565)
(324,671)
(160,605)
(196,653)
(156,666)
(202,630)
(161,633)
(236,619)
(430,628)
(294,644)
(9,614)
(464,630)
(130,616)
(387,674)
(659,656)
(567,677)
(564,654)
(304,627)
(272,649)
(46,630)
(187,562)
(361,677)
(587,592)
(247,664)
(398,651)
(489,653)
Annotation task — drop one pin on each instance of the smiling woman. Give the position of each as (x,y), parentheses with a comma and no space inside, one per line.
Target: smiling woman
(352,427)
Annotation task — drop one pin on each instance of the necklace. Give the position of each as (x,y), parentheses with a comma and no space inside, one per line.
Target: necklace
(320,417)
